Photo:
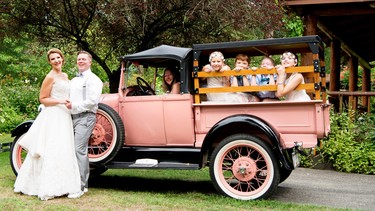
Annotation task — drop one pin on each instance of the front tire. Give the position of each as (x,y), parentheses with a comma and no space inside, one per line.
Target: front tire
(17,154)
(107,137)
(244,167)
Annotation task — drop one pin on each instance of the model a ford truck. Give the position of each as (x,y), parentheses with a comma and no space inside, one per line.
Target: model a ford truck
(249,148)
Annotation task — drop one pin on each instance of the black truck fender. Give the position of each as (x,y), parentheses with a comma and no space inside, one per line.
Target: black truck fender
(22,128)
(237,124)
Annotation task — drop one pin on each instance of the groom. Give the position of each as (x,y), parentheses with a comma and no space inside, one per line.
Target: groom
(85,91)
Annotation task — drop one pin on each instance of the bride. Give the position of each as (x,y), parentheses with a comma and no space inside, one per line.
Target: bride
(50,168)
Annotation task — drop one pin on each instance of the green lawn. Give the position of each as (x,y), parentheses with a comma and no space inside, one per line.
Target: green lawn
(138,190)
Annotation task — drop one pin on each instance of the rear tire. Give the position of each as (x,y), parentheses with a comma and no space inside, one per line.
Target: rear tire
(284,174)
(244,167)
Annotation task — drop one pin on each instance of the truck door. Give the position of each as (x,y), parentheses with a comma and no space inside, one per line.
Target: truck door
(158,120)
(178,119)
(143,120)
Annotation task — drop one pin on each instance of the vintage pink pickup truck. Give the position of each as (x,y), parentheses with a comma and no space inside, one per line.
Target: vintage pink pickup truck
(249,148)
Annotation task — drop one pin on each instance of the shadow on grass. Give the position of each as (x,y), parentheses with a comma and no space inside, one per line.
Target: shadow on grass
(140,184)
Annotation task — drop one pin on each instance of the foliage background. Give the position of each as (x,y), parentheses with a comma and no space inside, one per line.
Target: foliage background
(351,145)
(110,29)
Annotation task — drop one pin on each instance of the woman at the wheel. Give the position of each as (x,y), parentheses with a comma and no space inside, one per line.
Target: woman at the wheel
(171,81)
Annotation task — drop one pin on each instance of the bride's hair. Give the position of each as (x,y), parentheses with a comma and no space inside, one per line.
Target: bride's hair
(55,50)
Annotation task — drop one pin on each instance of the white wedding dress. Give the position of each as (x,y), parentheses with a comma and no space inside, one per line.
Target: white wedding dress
(50,168)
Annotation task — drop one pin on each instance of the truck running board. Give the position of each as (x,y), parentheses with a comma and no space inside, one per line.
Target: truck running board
(151,164)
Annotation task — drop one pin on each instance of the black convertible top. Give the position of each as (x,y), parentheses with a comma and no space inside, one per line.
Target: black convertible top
(159,56)
(167,56)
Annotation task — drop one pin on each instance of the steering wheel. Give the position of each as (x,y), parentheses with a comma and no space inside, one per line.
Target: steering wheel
(144,86)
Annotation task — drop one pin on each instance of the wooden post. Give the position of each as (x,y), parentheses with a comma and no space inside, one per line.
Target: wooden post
(334,81)
(310,22)
(366,86)
(353,80)
(311,28)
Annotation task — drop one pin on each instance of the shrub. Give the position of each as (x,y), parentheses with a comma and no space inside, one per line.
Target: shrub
(18,103)
(9,119)
(350,147)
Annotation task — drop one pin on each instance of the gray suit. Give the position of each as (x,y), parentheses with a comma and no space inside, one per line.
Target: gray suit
(85,94)
(83,126)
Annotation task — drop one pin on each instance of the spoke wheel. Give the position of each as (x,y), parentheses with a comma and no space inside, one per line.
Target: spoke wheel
(244,167)
(107,137)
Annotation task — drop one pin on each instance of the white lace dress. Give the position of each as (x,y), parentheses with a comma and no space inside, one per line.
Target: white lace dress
(50,168)
(296,95)
(225,97)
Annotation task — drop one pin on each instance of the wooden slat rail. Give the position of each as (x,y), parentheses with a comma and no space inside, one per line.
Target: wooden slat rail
(349,93)
(309,86)
(307,71)
(353,98)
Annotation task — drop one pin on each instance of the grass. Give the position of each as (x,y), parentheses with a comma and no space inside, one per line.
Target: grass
(119,189)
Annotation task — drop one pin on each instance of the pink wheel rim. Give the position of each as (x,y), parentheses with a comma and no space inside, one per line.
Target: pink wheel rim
(19,158)
(102,138)
(244,170)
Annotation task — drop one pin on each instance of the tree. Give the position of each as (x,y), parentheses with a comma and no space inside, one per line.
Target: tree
(111,28)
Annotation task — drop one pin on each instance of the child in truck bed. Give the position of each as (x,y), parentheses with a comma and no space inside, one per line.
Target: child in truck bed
(265,79)
(217,64)
(241,63)
(287,83)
